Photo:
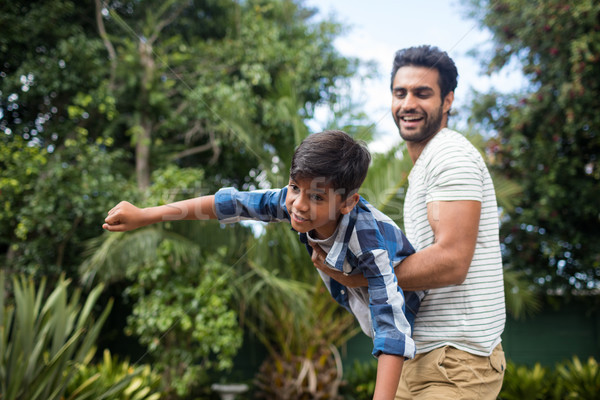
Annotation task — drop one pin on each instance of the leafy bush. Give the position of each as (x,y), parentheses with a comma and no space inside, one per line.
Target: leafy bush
(112,379)
(183,317)
(579,381)
(569,380)
(42,339)
(360,381)
(48,343)
(522,382)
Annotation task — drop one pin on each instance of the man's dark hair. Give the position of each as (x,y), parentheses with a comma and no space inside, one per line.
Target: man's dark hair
(429,57)
(335,157)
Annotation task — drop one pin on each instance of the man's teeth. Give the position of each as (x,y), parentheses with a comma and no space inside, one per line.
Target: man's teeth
(410,118)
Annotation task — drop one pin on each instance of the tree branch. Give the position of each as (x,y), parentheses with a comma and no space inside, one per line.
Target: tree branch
(112,55)
(211,145)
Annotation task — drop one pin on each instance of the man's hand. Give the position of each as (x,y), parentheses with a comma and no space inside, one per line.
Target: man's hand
(124,217)
(318,258)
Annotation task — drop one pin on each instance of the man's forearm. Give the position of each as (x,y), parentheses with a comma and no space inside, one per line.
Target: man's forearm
(430,268)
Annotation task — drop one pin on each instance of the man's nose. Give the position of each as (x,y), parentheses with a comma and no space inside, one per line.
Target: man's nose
(410,102)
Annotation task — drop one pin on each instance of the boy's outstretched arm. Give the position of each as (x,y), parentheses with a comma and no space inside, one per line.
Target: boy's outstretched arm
(389,369)
(126,217)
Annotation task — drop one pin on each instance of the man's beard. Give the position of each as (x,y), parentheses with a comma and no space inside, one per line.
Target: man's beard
(432,126)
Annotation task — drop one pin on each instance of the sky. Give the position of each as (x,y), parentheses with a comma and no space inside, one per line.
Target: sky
(378,28)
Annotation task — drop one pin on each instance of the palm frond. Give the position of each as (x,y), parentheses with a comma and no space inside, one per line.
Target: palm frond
(386,181)
(521,299)
(108,255)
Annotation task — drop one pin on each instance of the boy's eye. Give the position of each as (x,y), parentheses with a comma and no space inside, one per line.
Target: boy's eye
(317,197)
(293,187)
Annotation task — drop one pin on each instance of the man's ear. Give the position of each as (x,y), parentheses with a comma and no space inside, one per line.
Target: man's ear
(349,203)
(448,102)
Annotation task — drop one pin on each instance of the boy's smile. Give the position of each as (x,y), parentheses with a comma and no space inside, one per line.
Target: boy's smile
(315,206)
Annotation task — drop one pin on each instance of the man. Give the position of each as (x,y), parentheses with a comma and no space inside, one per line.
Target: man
(451,218)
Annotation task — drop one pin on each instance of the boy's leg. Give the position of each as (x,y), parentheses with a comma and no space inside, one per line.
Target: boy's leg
(449,373)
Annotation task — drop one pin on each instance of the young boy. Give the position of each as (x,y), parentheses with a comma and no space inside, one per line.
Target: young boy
(323,205)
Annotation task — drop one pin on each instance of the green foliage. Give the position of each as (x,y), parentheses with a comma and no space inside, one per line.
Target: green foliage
(360,381)
(547,137)
(89,95)
(521,382)
(53,201)
(230,97)
(51,53)
(569,380)
(181,310)
(386,182)
(43,339)
(112,379)
(182,315)
(580,381)
(179,281)
(521,296)
(289,310)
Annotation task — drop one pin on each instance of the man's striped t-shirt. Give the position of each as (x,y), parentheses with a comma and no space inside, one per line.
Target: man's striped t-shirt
(469,316)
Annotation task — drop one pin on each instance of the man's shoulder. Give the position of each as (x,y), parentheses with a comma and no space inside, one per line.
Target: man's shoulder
(449,148)
(447,138)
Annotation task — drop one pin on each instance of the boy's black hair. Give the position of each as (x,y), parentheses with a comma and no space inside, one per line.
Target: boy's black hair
(429,57)
(335,157)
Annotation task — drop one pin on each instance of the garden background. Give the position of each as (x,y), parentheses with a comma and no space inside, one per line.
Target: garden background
(154,101)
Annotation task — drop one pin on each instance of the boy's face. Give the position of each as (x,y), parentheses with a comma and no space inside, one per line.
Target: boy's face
(314,205)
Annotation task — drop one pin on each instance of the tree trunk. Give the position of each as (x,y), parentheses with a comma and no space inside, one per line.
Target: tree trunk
(144,139)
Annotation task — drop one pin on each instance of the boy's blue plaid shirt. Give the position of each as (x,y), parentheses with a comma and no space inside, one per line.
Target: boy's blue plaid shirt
(370,242)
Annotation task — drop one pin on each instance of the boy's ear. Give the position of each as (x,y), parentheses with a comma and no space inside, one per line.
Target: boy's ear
(349,203)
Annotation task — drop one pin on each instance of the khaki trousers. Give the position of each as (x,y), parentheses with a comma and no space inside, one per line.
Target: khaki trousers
(449,373)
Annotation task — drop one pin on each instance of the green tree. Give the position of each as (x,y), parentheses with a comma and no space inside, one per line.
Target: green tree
(178,281)
(120,90)
(547,137)
(222,84)
(52,202)
(57,173)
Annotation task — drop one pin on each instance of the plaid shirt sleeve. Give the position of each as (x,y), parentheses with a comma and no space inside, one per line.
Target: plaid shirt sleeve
(392,330)
(232,205)
(379,245)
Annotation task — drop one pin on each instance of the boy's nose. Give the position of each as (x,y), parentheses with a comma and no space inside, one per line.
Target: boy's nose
(301,203)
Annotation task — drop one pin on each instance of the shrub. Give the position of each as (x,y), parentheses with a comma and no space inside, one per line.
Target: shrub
(360,381)
(521,382)
(579,381)
(112,379)
(569,380)
(41,340)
